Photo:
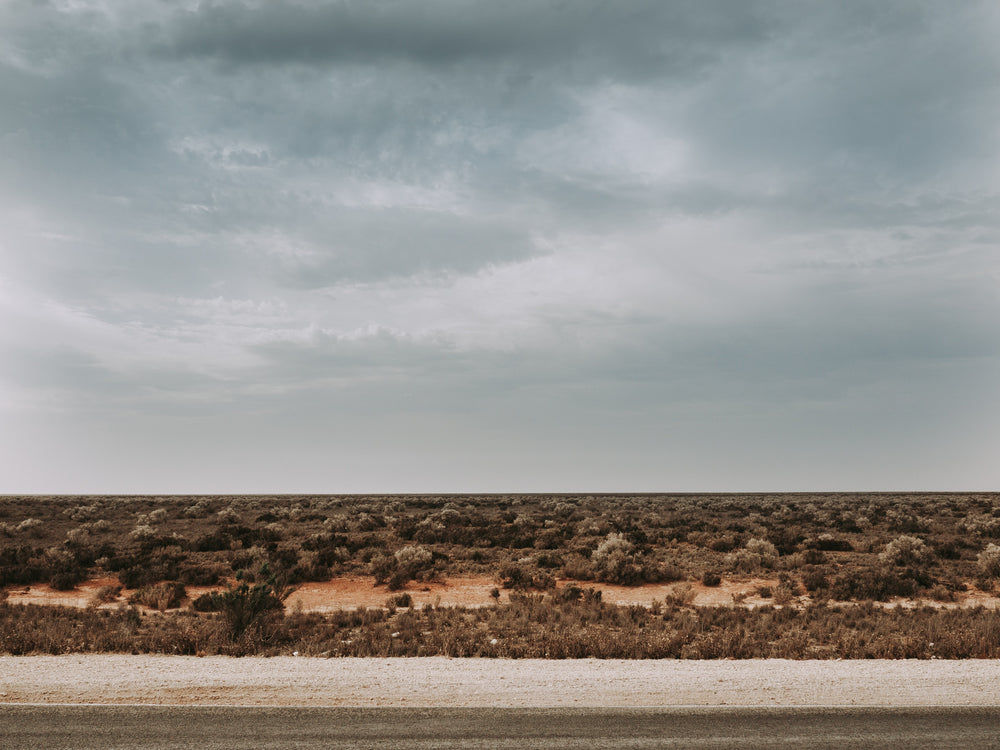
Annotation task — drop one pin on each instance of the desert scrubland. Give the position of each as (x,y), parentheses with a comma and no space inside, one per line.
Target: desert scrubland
(799,576)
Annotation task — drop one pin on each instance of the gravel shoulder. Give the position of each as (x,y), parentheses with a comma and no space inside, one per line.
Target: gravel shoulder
(438,681)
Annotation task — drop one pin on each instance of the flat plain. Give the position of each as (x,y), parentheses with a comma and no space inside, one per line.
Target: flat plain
(803,576)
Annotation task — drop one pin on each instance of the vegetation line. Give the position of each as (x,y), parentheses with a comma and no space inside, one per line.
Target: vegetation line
(820,549)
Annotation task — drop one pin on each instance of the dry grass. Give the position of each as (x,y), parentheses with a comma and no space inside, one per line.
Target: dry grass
(530,625)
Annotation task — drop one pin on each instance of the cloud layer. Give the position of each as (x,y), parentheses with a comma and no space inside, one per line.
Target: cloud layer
(531,245)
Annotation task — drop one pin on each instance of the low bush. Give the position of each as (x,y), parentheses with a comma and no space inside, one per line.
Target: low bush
(989,560)
(878,583)
(105,594)
(711,578)
(251,613)
(162,596)
(906,550)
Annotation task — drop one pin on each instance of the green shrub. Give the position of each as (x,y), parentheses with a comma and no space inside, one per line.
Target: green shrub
(251,612)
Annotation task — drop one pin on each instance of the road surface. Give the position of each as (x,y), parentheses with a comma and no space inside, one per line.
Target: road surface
(168,727)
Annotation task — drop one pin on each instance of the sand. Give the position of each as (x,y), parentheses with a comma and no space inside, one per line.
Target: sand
(439,681)
(470,591)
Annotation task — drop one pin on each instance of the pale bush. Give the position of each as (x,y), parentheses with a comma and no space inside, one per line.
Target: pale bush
(989,560)
(143,531)
(613,544)
(761,547)
(980,524)
(784,594)
(199,509)
(413,558)
(81,513)
(905,550)
(31,525)
(680,595)
(78,535)
(756,554)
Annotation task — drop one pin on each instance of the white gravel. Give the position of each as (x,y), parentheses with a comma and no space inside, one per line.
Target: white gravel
(438,681)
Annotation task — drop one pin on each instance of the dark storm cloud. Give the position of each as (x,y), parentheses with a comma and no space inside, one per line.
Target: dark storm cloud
(640,38)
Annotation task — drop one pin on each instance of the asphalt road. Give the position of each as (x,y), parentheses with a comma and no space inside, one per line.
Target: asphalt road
(139,727)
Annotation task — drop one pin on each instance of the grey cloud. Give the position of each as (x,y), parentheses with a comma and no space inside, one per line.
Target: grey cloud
(638,38)
(815,183)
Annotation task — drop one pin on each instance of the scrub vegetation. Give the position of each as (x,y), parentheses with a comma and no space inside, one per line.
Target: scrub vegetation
(832,555)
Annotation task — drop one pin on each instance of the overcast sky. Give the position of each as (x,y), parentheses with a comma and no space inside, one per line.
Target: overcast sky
(479,246)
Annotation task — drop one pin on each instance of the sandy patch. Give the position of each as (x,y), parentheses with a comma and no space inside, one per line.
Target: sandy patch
(467,591)
(40,593)
(438,681)
(350,593)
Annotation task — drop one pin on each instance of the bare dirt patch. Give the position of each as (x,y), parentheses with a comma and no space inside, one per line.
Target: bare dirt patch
(470,591)
(81,596)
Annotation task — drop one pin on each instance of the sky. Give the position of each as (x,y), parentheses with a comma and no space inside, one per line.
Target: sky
(530,246)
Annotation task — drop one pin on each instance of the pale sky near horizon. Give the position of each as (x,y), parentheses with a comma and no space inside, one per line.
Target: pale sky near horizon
(524,246)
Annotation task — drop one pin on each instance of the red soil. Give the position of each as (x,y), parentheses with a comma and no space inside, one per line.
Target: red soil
(351,593)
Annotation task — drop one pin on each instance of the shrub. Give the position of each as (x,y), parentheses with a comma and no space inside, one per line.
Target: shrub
(413,558)
(680,595)
(31,525)
(105,594)
(829,543)
(876,583)
(549,560)
(407,563)
(382,567)
(251,612)
(401,600)
(989,560)
(813,557)
(756,553)
(761,547)
(784,595)
(612,545)
(814,580)
(65,571)
(711,578)
(905,550)
(514,576)
(161,596)
(616,562)
(205,603)
(199,509)
(143,532)
(78,536)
